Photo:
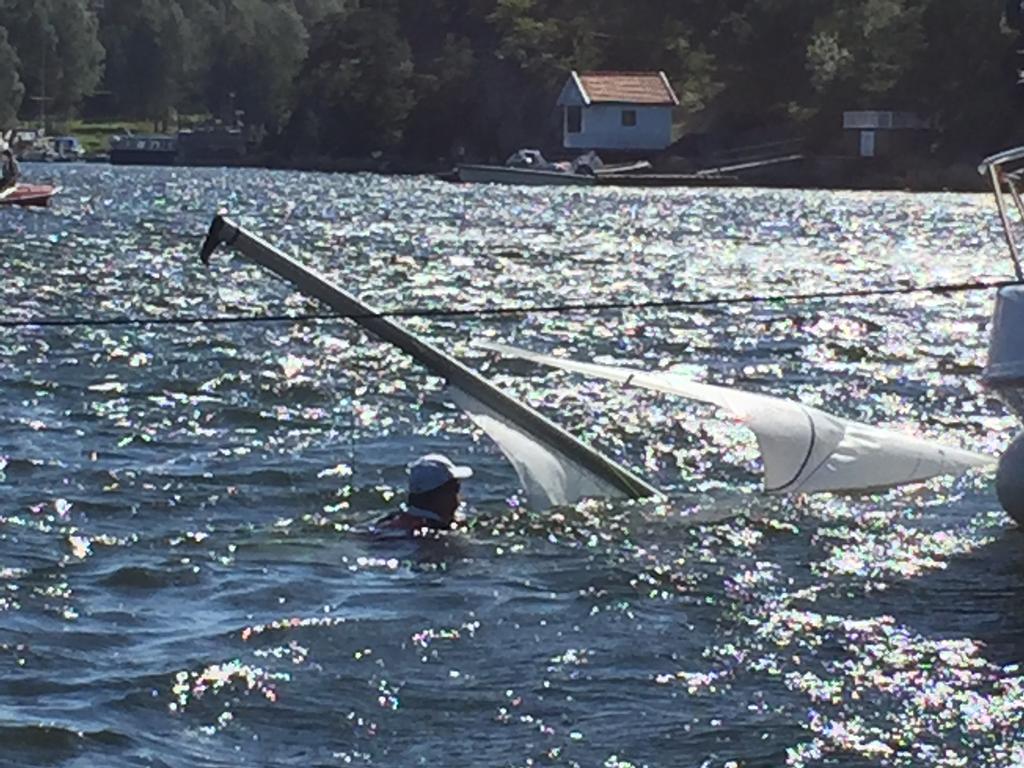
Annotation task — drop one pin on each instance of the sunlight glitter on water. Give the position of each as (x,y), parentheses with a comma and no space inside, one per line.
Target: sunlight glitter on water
(181,573)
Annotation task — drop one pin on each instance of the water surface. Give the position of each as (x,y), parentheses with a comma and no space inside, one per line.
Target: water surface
(181,581)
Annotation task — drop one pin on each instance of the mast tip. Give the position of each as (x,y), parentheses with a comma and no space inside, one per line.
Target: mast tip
(213,238)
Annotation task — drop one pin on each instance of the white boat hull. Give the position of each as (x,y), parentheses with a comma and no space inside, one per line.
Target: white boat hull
(1005,370)
(497,174)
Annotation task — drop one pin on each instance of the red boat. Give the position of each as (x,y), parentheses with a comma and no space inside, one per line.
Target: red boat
(37,195)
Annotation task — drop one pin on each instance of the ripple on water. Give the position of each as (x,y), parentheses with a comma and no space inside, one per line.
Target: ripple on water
(181,574)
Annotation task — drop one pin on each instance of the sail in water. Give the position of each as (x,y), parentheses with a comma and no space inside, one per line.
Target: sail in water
(804,450)
(548,475)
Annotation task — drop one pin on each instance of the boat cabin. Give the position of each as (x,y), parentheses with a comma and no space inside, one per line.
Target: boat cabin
(143,149)
(621,111)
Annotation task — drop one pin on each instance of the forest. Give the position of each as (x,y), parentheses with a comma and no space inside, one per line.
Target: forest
(430,78)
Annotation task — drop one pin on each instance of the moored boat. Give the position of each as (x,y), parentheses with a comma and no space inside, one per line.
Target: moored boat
(497,174)
(529,167)
(145,149)
(30,195)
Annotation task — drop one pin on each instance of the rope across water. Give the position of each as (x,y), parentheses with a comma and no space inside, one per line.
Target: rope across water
(497,312)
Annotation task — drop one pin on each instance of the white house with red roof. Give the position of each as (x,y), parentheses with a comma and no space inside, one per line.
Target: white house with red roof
(617,111)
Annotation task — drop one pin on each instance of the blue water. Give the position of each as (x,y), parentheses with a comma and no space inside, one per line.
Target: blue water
(182,581)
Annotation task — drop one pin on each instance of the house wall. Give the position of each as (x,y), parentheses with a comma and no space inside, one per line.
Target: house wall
(876,120)
(603,128)
(889,143)
(570,95)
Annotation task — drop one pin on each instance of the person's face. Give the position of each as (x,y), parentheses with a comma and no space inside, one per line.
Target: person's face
(450,499)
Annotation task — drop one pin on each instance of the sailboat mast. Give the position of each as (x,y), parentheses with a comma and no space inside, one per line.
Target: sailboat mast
(42,98)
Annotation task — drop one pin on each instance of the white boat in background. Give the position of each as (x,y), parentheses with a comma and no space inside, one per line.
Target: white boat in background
(496,174)
(55,149)
(530,167)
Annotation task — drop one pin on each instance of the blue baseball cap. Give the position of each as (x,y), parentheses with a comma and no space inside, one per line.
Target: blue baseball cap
(430,472)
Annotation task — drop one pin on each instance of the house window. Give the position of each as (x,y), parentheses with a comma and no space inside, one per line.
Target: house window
(629,118)
(574,119)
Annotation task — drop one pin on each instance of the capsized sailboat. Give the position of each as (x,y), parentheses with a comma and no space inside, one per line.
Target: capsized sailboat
(554,468)
(804,450)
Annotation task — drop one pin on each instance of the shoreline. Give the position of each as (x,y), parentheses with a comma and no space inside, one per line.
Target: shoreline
(818,172)
(823,173)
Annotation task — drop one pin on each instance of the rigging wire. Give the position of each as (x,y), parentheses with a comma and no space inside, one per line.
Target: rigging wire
(498,312)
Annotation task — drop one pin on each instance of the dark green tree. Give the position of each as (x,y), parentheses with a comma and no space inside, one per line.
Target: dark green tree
(425,77)
(151,52)
(445,92)
(11,89)
(859,53)
(58,46)
(760,53)
(257,48)
(965,78)
(315,11)
(79,56)
(357,86)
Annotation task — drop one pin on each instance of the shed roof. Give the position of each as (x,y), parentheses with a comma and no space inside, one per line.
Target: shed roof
(649,88)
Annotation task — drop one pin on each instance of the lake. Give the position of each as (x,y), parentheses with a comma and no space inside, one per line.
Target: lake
(182,577)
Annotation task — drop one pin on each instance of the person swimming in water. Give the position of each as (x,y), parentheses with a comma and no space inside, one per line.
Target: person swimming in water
(435,483)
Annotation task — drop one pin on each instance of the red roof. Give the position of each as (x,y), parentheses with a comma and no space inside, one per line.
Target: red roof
(627,88)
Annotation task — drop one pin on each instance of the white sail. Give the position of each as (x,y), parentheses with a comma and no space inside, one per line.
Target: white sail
(803,449)
(549,477)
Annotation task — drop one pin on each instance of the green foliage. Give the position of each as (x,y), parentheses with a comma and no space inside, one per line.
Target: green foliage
(357,81)
(859,52)
(149,47)
(428,77)
(257,50)
(77,67)
(315,11)
(57,43)
(965,78)
(11,89)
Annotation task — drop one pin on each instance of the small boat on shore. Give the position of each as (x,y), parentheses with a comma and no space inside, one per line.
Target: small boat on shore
(29,195)
(496,174)
(53,149)
(531,168)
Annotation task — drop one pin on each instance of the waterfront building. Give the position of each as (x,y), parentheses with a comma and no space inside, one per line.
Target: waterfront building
(620,111)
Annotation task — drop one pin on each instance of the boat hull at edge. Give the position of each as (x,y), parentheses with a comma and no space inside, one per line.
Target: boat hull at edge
(29,195)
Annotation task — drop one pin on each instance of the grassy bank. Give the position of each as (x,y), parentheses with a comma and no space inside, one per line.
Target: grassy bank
(95,134)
